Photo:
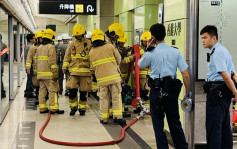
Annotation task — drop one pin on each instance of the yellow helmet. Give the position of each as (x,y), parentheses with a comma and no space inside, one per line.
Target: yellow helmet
(146,36)
(78,29)
(124,39)
(97,35)
(116,29)
(49,33)
(39,34)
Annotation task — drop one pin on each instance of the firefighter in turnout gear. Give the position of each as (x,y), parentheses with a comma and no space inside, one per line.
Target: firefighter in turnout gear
(47,73)
(76,60)
(30,62)
(114,32)
(144,89)
(124,66)
(105,60)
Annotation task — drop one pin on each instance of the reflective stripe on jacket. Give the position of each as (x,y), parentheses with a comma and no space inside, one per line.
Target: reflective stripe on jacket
(46,62)
(105,61)
(30,61)
(76,58)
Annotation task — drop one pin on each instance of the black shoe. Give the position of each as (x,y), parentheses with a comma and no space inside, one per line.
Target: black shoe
(36,102)
(46,111)
(82,112)
(126,114)
(119,121)
(102,122)
(57,112)
(73,111)
(60,93)
(138,110)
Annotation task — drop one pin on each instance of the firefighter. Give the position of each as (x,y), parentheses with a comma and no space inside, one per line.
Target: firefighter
(30,62)
(114,32)
(105,60)
(47,73)
(124,66)
(144,89)
(61,53)
(76,60)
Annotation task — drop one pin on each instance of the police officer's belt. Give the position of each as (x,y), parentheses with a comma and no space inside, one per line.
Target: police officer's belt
(167,84)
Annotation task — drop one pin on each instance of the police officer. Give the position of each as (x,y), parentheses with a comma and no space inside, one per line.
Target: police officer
(104,59)
(76,60)
(219,88)
(61,53)
(30,62)
(47,74)
(164,61)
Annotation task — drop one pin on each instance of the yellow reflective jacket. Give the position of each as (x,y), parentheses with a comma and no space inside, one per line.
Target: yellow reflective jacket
(126,59)
(30,61)
(143,71)
(76,58)
(46,62)
(105,61)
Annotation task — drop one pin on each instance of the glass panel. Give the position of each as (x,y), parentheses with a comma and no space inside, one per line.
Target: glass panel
(4,102)
(21,62)
(15,58)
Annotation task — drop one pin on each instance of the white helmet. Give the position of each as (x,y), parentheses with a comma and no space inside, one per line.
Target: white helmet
(59,38)
(88,34)
(65,36)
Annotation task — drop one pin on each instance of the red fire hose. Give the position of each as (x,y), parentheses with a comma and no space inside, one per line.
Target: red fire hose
(136,48)
(80,143)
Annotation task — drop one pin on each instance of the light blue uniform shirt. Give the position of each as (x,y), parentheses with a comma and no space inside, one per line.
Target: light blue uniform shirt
(163,61)
(220,61)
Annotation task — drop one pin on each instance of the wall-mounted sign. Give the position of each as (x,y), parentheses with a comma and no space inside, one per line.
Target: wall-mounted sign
(174,29)
(81,7)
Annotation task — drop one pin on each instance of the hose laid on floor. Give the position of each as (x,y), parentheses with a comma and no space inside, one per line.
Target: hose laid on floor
(144,111)
(80,143)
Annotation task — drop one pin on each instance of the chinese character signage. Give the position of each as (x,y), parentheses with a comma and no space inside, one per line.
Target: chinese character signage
(82,7)
(174,29)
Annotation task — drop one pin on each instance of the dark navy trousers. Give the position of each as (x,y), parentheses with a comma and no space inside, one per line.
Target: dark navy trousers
(218,130)
(171,110)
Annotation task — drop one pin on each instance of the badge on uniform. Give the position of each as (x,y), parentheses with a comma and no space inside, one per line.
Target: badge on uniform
(73,50)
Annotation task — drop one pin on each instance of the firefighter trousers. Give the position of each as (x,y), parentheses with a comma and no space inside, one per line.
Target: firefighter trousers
(107,94)
(51,87)
(84,85)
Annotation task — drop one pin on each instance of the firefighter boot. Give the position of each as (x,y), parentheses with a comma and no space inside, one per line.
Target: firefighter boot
(82,112)
(119,121)
(57,112)
(73,111)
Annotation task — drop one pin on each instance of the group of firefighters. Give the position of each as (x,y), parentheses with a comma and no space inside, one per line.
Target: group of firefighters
(100,62)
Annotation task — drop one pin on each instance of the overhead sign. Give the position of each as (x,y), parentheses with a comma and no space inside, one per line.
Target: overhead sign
(80,7)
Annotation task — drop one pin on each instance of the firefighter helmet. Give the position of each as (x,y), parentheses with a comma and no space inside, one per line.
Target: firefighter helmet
(116,29)
(49,33)
(39,34)
(146,36)
(97,35)
(124,39)
(78,29)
